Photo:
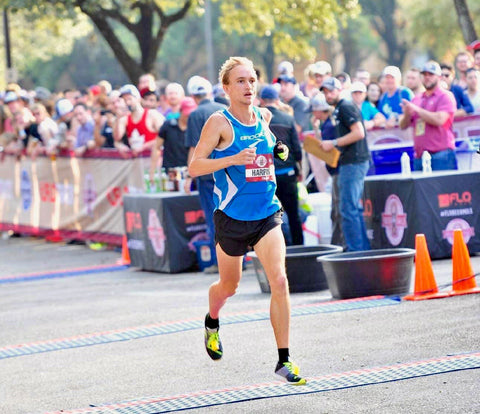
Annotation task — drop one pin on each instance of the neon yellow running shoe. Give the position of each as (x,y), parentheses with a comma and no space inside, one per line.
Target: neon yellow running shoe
(213,345)
(290,371)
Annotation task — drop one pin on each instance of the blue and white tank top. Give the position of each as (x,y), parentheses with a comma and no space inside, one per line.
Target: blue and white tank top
(247,192)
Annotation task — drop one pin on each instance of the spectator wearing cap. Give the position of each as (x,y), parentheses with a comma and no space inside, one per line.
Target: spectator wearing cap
(15,104)
(201,91)
(149,99)
(473,88)
(463,62)
(67,123)
(353,164)
(24,131)
(474,48)
(324,127)
(42,95)
(171,139)
(464,106)
(174,94)
(321,70)
(413,81)
(140,125)
(286,172)
(285,68)
(389,104)
(372,117)
(290,95)
(431,115)
(219,95)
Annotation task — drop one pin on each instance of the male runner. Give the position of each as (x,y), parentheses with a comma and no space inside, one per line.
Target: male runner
(238,147)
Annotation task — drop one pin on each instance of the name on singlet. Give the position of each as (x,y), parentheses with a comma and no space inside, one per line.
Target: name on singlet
(262,169)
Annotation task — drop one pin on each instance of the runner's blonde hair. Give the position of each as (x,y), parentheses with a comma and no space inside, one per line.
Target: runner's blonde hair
(229,65)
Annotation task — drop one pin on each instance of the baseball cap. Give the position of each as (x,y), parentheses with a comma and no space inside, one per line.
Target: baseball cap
(63,107)
(392,71)
(322,68)
(286,78)
(95,90)
(218,90)
(432,67)
(42,93)
(187,105)
(269,92)
(358,86)
(10,97)
(318,103)
(129,89)
(331,84)
(475,45)
(285,68)
(147,91)
(197,85)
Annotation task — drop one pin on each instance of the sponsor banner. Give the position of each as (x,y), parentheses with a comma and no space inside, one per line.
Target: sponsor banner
(78,197)
(161,229)
(433,205)
(463,127)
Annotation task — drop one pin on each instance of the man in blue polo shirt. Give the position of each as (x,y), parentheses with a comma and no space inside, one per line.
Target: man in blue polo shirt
(201,91)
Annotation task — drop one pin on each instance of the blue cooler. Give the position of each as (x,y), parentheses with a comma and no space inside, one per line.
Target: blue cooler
(206,255)
(387,160)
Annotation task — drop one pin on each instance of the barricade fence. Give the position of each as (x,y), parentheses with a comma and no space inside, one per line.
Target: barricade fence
(69,197)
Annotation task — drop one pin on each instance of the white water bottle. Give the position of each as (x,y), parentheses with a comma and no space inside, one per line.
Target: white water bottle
(426,162)
(405,162)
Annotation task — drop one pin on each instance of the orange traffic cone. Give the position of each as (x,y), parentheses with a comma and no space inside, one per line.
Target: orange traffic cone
(425,285)
(463,276)
(125,260)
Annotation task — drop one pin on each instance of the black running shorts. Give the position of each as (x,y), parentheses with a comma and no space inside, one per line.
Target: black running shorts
(235,236)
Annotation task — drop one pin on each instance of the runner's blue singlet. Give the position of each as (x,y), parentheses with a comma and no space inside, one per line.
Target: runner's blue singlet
(247,192)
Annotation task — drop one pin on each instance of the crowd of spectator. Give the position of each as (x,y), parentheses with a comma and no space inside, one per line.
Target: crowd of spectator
(38,121)
(153,115)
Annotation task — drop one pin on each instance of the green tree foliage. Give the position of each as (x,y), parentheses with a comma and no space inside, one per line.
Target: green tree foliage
(435,28)
(147,21)
(291,24)
(38,39)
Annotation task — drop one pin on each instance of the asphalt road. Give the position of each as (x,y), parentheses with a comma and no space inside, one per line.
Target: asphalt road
(176,363)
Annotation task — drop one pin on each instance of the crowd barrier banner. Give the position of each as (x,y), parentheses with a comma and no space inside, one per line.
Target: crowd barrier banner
(68,197)
(463,127)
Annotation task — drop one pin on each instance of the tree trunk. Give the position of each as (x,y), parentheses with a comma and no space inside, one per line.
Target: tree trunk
(149,41)
(269,59)
(465,21)
(382,17)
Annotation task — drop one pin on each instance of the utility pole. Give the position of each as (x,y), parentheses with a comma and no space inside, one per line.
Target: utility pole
(209,42)
(11,75)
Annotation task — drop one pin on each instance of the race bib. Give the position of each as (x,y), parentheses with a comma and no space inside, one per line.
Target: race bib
(420,128)
(262,169)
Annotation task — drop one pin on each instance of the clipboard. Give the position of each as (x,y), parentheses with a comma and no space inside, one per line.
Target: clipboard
(311,145)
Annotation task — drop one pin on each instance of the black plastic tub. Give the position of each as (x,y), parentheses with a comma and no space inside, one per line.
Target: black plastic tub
(368,273)
(304,273)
